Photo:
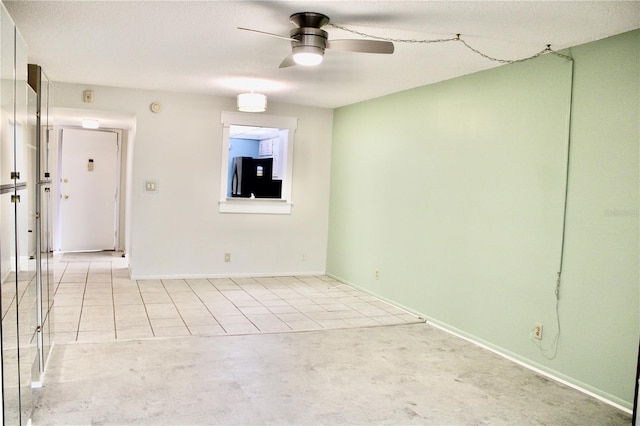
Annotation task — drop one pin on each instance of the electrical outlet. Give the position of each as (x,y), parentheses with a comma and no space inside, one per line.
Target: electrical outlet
(303,257)
(377,275)
(537,331)
(227,257)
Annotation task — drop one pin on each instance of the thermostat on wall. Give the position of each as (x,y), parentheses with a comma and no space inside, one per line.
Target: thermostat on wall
(155,107)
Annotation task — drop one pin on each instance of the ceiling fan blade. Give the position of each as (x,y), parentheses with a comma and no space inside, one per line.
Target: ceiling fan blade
(266,33)
(288,62)
(364,46)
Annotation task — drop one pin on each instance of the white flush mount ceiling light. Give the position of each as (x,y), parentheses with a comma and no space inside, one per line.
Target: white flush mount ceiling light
(90,124)
(252,102)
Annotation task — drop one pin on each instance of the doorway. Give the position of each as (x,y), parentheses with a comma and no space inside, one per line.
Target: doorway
(89,189)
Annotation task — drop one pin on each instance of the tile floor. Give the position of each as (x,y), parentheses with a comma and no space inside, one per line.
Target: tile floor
(95,301)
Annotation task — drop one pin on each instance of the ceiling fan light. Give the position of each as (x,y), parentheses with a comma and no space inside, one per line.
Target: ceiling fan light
(307,59)
(252,102)
(307,56)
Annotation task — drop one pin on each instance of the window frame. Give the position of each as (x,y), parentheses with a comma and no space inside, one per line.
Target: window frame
(256,205)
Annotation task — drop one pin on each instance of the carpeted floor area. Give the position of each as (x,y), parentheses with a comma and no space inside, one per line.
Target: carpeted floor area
(393,375)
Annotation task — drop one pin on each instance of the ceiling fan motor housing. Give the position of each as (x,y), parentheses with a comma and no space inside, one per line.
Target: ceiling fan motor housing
(309,19)
(309,37)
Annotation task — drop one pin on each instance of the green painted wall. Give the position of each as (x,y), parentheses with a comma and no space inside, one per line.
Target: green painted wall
(454,192)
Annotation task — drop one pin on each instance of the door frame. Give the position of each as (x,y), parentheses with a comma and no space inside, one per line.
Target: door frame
(57,223)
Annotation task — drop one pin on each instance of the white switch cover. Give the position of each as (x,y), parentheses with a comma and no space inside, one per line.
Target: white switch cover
(150,185)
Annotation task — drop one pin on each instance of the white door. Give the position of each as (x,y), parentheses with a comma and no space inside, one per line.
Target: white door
(88,190)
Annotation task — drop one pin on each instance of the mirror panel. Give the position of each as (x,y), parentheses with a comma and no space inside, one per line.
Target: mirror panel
(46,243)
(10,376)
(25,155)
(19,198)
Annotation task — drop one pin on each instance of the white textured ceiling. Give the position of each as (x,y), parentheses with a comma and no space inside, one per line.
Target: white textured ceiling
(194,46)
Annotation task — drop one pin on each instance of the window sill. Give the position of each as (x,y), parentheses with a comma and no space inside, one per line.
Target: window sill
(255,206)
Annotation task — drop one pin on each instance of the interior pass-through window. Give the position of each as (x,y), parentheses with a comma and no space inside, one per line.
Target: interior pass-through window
(257,158)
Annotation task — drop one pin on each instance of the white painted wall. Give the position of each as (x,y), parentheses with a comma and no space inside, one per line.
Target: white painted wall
(179,232)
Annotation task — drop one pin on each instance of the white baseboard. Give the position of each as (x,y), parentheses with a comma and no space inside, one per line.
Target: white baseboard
(228,275)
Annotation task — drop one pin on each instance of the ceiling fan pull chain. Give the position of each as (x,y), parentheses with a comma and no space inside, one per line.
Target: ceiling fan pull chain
(457,38)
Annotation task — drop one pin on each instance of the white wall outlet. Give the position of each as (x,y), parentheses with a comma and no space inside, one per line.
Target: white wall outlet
(303,257)
(151,185)
(227,257)
(377,275)
(537,331)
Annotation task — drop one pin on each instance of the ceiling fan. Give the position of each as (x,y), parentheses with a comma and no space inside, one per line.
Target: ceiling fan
(309,41)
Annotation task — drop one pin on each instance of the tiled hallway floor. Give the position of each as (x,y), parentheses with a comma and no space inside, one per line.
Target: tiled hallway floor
(95,301)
